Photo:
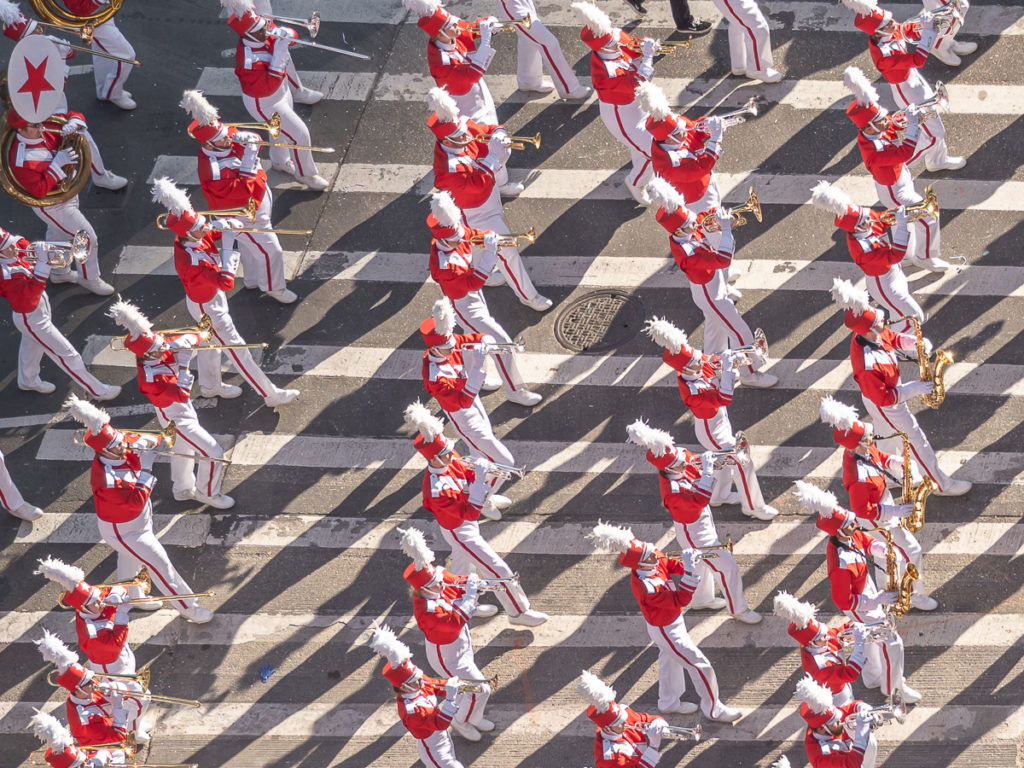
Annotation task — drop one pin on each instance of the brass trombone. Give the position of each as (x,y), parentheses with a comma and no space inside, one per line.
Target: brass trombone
(752,206)
(142,580)
(204,330)
(518,142)
(285,146)
(926,209)
(81,49)
(142,678)
(84,31)
(507,241)
(312,23)
(63,254)
(144,694)
(271,126)
(505,26)
(248,212)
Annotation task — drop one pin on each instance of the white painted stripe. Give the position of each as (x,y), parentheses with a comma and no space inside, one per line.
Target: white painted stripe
(184,530)
(336,86)
(182,170)
(49,419)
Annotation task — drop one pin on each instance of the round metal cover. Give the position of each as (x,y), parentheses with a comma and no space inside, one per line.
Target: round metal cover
(599,321)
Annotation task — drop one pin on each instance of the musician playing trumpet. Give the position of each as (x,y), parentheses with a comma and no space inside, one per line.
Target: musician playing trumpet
(63,752)
(828,742)
(164,378)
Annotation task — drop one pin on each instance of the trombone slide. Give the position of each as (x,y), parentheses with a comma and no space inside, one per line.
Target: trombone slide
(101,54)
(261,143)
(271,126)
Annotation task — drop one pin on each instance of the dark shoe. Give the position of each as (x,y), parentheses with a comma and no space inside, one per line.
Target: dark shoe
(695,27)
(638,6)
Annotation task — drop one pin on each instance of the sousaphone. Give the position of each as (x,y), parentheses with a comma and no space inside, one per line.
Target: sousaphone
(55,12)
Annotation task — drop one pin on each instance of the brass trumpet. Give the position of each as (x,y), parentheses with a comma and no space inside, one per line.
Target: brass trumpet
(896,710)
(312,23)
(507,241)
(63,254)
(498,347)
(504,26)
(674,731)
(271,126)
(142,580)
(663,48)
(926,209)
(518,142)
(926,110)
(753,206)
(760,346)
(466,685)
(735,117)
(248,212)
(505,472)
(739,453)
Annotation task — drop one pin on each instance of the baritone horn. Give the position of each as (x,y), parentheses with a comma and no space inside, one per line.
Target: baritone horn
(64,190)
(271,126)
(518,142)
(507,241)
(248,212)
(735,117)
(926,209)
(753,206)
(63,254)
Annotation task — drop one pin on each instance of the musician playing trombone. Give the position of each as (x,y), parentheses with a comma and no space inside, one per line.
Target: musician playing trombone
(301,94)
(164,378)
(122,481)
(828,742)
(63,752)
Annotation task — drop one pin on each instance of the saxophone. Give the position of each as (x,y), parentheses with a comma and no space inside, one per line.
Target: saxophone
(904,585)
(933,372)
(913,522)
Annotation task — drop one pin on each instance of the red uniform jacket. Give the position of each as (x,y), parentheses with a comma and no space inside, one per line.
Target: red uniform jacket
(884,155)
(697,258)
(30,159)
(848,570)
(826,752)
(828,666)
(629,750)
(446,380)
(19,283)
(223,183)
(441,620)
(252,66)
(876,368)
(446,493)
(453,270)
(420,713)
(452,70)
(199,267)
(687,168)
(102,637)
(158,379)
(661,601)
(460,172)
(120,491)
(866,483)
(682,496)
(702,396)
(873,252)
(92,722)
(892,57)
(616,80)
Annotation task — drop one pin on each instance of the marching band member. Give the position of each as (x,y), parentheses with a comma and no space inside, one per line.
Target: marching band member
(61,750)
(538,49)
(750,44)
(821,647)
(878,256)
(707,394)
(417,700)
(849,554)
(875,353)
(662,600)
(101,625)
(261,63)
(23,284)
(618,64)
(230,175)
(473,173)
(887,157)
(866,472)
(98,713)
(686,493)
(110,75)
(39,163)
(443,607)
(456,492)
(462,273)
(300,93)
(165,380)
(887,43)
(11,498)
(206,263)
(618,742)
(827,741)
(122,481)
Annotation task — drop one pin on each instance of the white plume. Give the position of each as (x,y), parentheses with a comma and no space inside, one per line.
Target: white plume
(817,696)
(51,731)
(130,317)
(863,7)
(422,7)
(792,610)
(830,197)
(56,570)
(665,334)
(55,652)
(86,413)
(594,18)
(441,102)
(845,295)
(665,195)
(10,13)
(201,110)
(385,643)
(238,7)
(444,316)
(657,441)
(419,417)
(860,86)
(782,762)
(653,100)
(595,690)
(612,537)
(837,414)
(173,198)
(813,499)
(415,547)
(445,210)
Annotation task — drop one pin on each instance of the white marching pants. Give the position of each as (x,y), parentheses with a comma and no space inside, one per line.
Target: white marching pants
(477,104)
(931,142)
(716,434)
(293,129)
(224,332)
(437,750)
(40,336)
(724,326)
(944,42)
(10,496)
(750,45)
(471,552)
(63,221)
(261,254)
(110,75)
(124,664)
(192,440)
(137,545)
(924,241)
(892,292)
(455,659)
(898,418)
(884,664)
(537,50)
(724,569)
(489,216)
(626,122)
(679,656)
(473,315)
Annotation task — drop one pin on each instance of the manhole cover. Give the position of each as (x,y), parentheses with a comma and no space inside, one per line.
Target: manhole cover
(599,321)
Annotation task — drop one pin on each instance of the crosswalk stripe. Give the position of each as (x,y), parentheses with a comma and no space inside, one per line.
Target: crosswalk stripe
(182,170)
(336,86)
(14,422)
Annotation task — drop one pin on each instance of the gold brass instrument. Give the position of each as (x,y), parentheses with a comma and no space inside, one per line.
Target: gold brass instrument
(83,33)
(142,678)
(498,347)
(271,126)
(142,580)
(760,346)
(663,48)
(913,522)
(902,586)
(52,680)
(933,372)
(248,212)
(752,206)
(286,146)
(507,241)
(170,598)
(878,631)
(518,142)
(674,731)
(64,190)
(711,553)
(54,12)
(466,684)
(504,26)
(735,117)
(505,472)
(204,330)
(128,746)
(63,254)
(312,23)
(926,209)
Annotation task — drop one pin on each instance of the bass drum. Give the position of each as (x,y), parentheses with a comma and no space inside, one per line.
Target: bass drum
(55,12)
(67,189)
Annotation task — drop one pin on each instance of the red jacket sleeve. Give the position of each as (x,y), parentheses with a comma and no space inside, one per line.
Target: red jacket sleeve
(456,74)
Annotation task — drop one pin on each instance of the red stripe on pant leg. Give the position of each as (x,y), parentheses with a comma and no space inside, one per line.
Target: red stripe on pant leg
(543,47)
(888,669)
(725,587)
(625,135)
(689,663)
(750,34)
(152,569)
(432,758)
(266,261)
(707,431)
(643,169)
(511,276)
(291,139)
(746,488)
(504,373)
(486,567)
(885,298)
(720,315)
(927,241)
(466,438)
(55,357)
(182,436)
(238,363)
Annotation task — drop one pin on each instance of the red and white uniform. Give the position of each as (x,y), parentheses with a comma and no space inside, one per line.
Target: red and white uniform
(879,257)
(877,373)
(661,602)
(538,49)
(690,168)
(103,638)
(829,667)
(167,384)
(23,284)
(10,496)
(944,42)
(459,68)
(205,278)
(428,723)
(74,757)
(628,749)
(686,496)
(262,7)
(826,751)
(110,75)
(750,45)
(855,594)
(104,717)
(229,178)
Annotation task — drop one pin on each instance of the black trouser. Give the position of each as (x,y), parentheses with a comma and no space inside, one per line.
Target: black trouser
(681,13)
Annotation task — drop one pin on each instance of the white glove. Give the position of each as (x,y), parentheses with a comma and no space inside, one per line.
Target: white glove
(488,257)
(146,460)
(227,222)
(491,242)
(901,215)
(498,148)
(451,688)
(648,47)
(42,267)
(230,267)
(74,125)
(66,156)
(689,560)
(284,33)
(246,136)
(185,379)
(473,580)
(715,128)
(912,389)
(116,596)
(250,162)
(486,27)
(927,346)
(707,463)
(893,511)
(860,632)
(656,732)
(724,219)
(888,598)
(928,36)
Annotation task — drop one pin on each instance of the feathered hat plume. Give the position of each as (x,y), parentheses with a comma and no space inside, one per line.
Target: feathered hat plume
(86,413)
(415,547)
(419,417)
(817,697)
(848,297)
(813,499)
(198,108)
(444,316)
(445,210)
(611,537)
(664,195)
(56,570)
(859,85)
(663,333)
(830,198)
(657,441)
(593,18)
(441,102)
(384,642)
(595,690)
(55,651)
(792,610)
(51,731)
(129,316)
(653,100)
(837,414)
(171,197)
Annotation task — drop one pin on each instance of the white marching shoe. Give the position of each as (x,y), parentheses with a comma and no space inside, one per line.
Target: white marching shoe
(579,94)
(758,379)
(97,285)
(197,615)
(910,696)
(749,616)
(466,731)
(307,96)
(679,708)
(762,513)
(733,497)
(109,392)
(727,715)
(220,501)
(40,386)
(27,511)
(512,189)
(490,511)
(492,384)
(953,488)
(546,86)
(530,618)
(485,610)
(715,604)
(965,48)
(316,182)
(484,725)
(946,56)
(109,180)
(281,397)
(768,76)
(523,397)
(224,391)
(124,101)
(952,163)
(538,303)
(496,278)
(499,501)
(283,295)
(923,602)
